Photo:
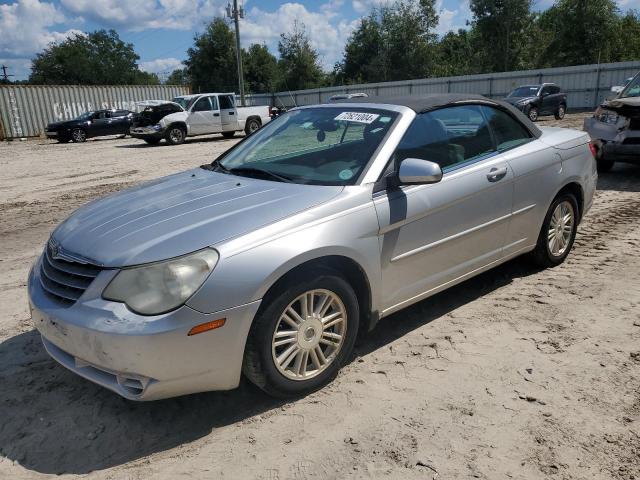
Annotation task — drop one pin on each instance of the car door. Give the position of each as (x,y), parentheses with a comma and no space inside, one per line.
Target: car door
(547,103)
(120,122)
(100,124)
(431,235)
(228,113)
(202,118)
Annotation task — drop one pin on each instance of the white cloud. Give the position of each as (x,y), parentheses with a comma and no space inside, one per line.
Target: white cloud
(364,6)
(144,14)
(452,19)
(161,65)
(327,37)
(26,27)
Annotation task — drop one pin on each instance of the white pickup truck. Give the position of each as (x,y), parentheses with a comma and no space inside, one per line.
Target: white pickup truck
(192,115)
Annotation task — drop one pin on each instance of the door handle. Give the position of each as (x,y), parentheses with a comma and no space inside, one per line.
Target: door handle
(230,113)
(216,114)
(496,174)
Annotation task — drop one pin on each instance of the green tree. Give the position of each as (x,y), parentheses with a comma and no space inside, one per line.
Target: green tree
(260,69)
(211,62)
(178,77)
(457,54)
(395,42)
(501,28)
(97,58)
(299,66)
(627,38)
(582,32)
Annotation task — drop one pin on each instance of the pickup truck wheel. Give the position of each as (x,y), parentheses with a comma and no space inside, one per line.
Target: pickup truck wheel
(304,335)
(252,126)
(78,135)
(558,232)
(176,135)
(559,114)
(152,141)
(533,114)
(228,134)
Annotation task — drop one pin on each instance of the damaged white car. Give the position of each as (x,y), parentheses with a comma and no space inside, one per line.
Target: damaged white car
(615,128)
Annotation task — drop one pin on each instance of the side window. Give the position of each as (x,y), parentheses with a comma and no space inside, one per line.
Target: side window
(202,105)
(554,89)
(226,102)
(449,137)
(120,113)
(214,103)
(101,115)
(546,90)
(508,131)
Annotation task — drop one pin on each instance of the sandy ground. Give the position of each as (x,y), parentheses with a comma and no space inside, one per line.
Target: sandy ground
(518,373)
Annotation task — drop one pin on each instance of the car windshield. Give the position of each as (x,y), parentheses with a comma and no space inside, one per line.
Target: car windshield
(86,116)
(528,91)
(319,146)
(184,102)
(632,89)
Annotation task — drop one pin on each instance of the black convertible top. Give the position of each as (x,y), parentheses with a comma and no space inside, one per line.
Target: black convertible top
(427,102)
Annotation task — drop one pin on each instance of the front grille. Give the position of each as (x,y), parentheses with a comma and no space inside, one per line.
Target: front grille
(65,281)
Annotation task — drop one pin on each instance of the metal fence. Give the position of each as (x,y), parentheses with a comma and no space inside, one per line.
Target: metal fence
(586,85)
(25,110)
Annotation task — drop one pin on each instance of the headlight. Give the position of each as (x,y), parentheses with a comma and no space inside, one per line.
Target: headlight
(157,127)
(161,287)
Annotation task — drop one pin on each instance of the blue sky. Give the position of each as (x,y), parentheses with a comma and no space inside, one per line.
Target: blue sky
(162,30)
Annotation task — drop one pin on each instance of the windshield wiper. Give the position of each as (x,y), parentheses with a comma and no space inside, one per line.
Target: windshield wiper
(215,166)
(258,171)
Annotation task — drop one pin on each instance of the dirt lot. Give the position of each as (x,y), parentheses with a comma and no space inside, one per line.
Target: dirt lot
(518,373)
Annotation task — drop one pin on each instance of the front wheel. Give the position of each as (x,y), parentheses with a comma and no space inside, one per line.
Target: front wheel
(303,336)
(176,135)
(558,232)
(533,114)
(78,135)
(559,114)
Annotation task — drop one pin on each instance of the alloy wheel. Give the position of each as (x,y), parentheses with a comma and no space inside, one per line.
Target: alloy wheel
(560,228)
(309,334)
(176,135)
(78,135)
(253,126)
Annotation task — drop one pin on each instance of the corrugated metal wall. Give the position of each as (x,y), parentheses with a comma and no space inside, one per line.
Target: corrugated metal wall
(586,85)
(25,110)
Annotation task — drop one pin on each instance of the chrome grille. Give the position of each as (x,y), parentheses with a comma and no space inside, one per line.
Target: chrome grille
(65,281)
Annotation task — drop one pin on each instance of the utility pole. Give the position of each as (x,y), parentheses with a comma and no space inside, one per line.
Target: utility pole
(5,75)
(238,13)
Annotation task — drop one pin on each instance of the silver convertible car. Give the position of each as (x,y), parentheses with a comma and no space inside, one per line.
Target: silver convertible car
(270,261)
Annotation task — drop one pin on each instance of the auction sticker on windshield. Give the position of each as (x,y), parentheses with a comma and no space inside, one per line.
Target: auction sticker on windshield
(359,117)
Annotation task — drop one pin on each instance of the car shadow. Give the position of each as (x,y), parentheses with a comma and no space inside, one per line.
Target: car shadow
(188,141)
(623,177)
(55,422)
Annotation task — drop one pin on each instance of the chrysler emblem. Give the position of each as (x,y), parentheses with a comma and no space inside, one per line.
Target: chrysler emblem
(54,249)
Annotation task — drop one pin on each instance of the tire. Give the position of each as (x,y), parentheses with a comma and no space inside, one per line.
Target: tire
(533,114)
(551,251)
(78,135)
(559,114)
(152,141)
(228,134)
(176,135)
(286,379)
(252,126)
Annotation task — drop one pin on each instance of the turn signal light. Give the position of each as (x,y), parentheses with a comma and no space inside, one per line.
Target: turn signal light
(205,327)
(593,148)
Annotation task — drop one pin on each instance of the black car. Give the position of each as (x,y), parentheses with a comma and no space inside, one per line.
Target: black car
(538,100)
(91,124)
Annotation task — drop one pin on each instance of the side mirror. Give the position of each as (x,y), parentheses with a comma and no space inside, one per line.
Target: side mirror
(414,171)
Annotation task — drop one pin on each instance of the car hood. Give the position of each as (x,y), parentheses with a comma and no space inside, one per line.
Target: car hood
(66,123)
(179,214)
(514,100)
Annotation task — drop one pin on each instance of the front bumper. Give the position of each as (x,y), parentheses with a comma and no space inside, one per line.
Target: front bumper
(617,142)
(140,357)
(146,132)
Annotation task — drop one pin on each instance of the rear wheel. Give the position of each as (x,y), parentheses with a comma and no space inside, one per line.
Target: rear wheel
(176,135)
(228,134)
(559,114)
(558,232)
(78,135)
(533,114)
(152,141)
(304,335)
(253,125)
